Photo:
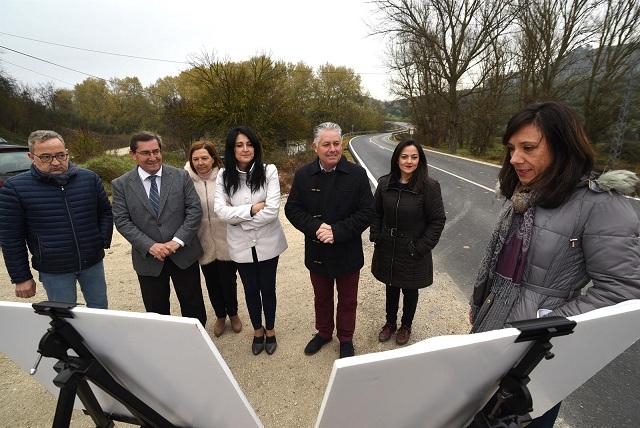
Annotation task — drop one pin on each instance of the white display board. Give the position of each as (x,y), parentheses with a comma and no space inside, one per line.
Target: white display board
(599,337)
(170,363)
(444,381)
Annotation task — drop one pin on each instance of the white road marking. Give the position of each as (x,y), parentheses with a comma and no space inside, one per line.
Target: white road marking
(362,164)
(463,158)
(375,182)
(463,179)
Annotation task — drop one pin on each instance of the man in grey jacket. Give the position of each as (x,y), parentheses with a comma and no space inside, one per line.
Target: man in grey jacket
(156,208)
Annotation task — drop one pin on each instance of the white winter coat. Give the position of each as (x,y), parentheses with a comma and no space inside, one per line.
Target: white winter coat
(263,230)
(213,231)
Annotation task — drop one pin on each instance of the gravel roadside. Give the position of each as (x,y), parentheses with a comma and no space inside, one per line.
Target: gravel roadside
(285,389)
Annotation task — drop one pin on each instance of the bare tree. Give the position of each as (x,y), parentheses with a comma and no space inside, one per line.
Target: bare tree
(550,30)
(414,80)
(611,62)
(488,104)
(454,34)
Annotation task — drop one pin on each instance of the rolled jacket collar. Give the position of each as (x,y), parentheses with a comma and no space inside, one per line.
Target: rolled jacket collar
(57,179)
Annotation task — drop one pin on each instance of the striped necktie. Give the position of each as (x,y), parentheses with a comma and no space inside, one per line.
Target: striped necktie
(154,196)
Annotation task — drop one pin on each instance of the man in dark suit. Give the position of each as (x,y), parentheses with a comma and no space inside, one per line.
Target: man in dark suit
(331,203)
(156,208)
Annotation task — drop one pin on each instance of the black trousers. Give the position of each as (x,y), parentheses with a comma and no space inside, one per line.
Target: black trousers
(409,305)
(259,281)
(220,278)
(186,282)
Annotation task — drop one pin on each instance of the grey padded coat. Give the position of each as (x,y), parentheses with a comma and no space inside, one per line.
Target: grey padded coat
(593,236)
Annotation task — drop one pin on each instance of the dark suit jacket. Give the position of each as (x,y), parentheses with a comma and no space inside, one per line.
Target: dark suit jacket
(179,216)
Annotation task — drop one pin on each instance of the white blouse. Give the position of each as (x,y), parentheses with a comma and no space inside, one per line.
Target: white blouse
(244,231)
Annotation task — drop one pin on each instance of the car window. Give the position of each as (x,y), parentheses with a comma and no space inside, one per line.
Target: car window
(14,161)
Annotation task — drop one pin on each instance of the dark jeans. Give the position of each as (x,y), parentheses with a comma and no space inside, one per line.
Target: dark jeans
(548,419)
(409,304)
(347,286)
(155,291)
(259,281)
(220,278)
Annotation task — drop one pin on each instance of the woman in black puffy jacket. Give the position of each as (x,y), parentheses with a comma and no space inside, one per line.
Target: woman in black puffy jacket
(409,218)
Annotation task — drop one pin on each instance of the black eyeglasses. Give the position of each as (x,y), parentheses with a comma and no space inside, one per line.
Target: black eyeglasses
(147,153)
(47,158)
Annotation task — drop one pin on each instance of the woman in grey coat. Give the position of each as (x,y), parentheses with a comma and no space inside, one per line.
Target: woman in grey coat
(561,227)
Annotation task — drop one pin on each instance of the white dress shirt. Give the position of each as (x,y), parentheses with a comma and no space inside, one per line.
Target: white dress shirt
(144,175)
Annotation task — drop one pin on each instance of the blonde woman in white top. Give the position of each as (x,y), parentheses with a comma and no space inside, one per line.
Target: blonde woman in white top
(217,267)
(247,198)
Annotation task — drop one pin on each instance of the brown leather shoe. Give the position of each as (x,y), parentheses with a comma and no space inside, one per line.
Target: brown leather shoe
(386,332)
(219,326)
(236,324)
(403,335)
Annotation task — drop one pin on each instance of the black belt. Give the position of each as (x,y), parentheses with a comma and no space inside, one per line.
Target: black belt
(394,233)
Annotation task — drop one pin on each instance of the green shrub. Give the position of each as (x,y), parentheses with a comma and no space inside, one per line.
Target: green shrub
(109,167)
(176,159)
(83,145)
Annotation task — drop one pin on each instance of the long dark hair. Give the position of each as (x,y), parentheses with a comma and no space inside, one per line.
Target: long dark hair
(420,172)
(256,176)
(209,147)
(572,154)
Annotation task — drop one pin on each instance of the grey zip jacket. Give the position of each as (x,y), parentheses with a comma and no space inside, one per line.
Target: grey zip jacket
(592,237)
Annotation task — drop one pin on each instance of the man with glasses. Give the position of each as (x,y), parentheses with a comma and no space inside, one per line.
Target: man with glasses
(62,215)
(156,208)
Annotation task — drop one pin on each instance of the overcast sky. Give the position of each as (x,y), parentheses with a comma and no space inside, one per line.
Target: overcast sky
(314,32)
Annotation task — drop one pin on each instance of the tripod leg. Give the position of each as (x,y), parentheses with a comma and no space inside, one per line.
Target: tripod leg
(92,406)
(68,384)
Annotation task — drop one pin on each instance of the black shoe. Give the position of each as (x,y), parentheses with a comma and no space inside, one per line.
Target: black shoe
(258,344)
(315,344)
(270,344)
(346,349)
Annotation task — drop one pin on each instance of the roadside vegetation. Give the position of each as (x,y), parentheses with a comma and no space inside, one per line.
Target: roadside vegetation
(280,101)
(461,68)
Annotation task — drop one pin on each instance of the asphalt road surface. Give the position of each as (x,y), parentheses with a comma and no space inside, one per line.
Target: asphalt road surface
(609,399)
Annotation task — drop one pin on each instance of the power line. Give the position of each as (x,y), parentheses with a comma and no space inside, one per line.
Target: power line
(142,57)
(77,71)
(37,72)
(53,63)
(94,50)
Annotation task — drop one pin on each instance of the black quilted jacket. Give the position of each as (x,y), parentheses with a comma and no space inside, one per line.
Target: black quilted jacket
(406,227)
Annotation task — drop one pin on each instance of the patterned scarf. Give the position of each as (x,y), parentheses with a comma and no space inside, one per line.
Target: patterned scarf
(487,313)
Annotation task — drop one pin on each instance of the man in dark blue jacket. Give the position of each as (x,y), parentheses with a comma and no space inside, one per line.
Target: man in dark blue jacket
(331,203)
(61,213)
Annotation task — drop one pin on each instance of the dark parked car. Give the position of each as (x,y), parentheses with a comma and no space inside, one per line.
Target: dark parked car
(13,160)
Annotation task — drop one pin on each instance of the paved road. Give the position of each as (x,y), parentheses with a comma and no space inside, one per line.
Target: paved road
(609,399)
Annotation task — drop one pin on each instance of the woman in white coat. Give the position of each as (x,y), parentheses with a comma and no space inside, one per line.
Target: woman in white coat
(247,198)
(217,267)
